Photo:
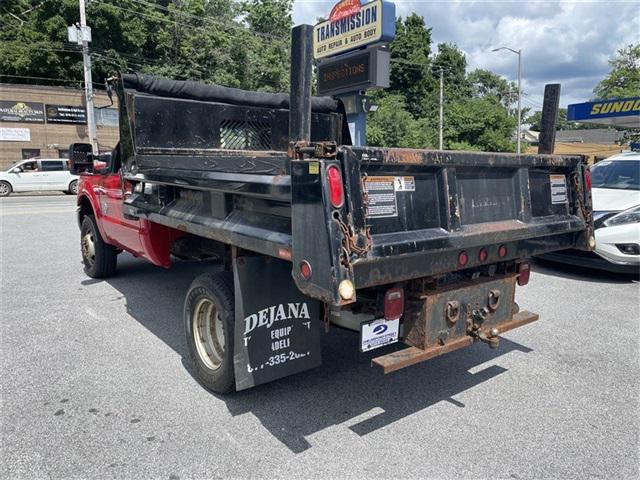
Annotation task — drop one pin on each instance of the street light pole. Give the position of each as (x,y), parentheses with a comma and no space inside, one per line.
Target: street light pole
(519,53)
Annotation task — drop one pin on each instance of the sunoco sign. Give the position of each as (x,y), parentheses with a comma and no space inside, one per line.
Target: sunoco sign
(373,22)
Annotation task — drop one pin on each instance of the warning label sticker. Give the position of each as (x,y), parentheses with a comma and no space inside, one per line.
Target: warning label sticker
(381,194)
(558,188)
(405,184)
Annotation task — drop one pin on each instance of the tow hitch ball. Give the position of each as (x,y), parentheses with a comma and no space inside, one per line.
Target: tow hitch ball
(478,316)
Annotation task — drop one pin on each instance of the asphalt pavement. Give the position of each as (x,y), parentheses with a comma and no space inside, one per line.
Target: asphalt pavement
(95,382)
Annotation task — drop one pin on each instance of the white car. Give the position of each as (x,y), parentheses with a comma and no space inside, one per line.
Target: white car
(38,175)
(616,214)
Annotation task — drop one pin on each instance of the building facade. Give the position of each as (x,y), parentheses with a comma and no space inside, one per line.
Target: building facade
(42,121)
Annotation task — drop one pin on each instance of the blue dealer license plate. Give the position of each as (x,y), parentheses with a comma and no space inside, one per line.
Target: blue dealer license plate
(378,333)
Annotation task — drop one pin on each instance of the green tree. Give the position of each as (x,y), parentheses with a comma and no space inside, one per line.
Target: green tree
(624,78)
(410,71)
(453,63)
(480,124)
(562,124)
(392,125)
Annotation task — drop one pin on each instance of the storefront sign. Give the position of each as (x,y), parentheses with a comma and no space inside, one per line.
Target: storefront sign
(354,27)
(66,114)
(15,135)
(355,71)
(620,111)
(23,112)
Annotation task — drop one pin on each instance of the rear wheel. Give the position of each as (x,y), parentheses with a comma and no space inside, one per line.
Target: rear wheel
(99,258)
(73,188)
(5,189)
(209,326)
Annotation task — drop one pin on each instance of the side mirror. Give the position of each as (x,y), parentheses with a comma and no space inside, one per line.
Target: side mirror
(80,158)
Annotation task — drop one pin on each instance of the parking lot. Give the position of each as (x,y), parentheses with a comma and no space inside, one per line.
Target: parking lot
(95,382)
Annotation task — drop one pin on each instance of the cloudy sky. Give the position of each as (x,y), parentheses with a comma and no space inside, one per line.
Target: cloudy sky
(565,42)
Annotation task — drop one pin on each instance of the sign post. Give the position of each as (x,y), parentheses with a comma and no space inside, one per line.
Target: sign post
(352,57)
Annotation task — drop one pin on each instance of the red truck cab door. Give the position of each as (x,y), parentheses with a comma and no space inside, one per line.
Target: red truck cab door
(111,189)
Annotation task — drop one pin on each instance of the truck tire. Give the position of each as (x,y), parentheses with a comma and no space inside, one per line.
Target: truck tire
(99,258)
(209,319)
(5,189)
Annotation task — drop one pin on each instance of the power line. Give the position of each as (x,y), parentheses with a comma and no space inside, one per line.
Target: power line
(26,77)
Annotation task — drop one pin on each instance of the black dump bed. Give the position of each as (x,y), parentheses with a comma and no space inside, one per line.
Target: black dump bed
(216,162)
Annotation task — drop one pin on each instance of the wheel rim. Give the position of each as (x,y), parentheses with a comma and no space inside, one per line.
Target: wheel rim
(208,334)
(4,189)
(88,248)
(74,188)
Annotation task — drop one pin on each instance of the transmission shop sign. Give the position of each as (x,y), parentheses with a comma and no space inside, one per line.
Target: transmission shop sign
(66,114)
(21,112)
(352,26)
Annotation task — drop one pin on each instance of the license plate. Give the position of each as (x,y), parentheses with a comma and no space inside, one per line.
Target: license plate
(378,333)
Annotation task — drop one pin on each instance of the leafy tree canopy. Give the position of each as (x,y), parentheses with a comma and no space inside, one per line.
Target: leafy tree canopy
(624,78)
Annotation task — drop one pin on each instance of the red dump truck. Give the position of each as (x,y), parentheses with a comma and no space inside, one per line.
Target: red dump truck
(418,247)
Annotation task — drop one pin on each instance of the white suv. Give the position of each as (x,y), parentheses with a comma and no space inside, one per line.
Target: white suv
(38,175)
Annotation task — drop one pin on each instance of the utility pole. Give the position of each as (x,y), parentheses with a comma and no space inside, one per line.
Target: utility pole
(441,125)
(88,84)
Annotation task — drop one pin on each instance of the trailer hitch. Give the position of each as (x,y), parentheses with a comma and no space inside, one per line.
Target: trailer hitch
(477,318)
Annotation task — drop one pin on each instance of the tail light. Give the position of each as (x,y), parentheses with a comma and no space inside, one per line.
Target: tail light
(463,259)
(305,270)
(393,304)
(336,188)
(587,179)
(483,255)
(524,272)
(502,251)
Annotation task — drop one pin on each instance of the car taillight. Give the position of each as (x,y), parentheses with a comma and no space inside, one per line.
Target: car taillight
(336,189)
(393,304)
(524,272)
(587,178)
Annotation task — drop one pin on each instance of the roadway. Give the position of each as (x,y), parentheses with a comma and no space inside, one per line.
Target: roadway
(95,383)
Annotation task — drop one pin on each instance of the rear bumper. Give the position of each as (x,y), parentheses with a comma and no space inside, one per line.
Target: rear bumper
(413,355)
(442,319)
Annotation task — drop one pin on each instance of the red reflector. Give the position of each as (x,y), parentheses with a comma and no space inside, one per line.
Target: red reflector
(336,190)
(587,179)
(502,251)
(305,270)
(393,304)
(463,258)
(483,255)
(523,274)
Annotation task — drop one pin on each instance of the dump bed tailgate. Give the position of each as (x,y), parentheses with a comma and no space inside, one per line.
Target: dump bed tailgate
(411,213)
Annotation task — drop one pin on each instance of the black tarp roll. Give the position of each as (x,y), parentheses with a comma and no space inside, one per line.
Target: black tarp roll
(165,87)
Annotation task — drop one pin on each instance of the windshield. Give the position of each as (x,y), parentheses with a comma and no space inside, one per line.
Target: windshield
(620,174)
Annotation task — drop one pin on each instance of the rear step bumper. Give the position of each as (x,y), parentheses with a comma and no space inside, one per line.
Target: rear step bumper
(412,355)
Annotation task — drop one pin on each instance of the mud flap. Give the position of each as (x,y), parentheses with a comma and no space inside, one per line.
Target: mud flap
(277,328)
